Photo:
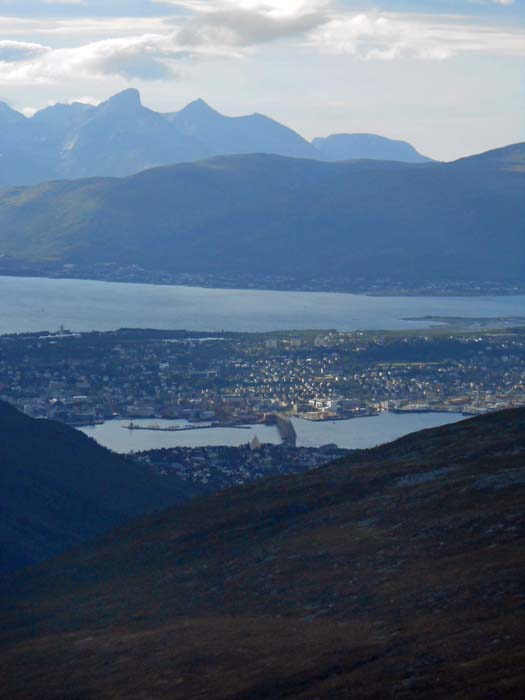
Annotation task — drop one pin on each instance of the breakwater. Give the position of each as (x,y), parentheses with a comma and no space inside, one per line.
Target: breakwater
(178,428)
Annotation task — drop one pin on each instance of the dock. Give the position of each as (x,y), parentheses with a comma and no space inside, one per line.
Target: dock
(180,428)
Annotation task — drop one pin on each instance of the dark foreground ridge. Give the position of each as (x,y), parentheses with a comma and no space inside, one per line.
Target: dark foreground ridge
(394,573)
(59,488)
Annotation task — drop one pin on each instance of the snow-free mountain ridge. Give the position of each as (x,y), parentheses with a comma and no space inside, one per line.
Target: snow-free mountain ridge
(269,215)
(122,137)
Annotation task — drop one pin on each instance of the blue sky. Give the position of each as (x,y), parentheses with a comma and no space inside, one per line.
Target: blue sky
(443,74)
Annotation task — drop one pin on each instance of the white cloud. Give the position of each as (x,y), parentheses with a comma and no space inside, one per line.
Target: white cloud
(214,29)
(503,3)
(244,27)
(80,29)
(248,22)
(233,28)
(146,57)
(388,36)
(15,51)
(142,57)
(275,8)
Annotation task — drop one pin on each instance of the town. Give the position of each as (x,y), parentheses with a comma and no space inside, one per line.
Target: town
(216,468)
(231,378)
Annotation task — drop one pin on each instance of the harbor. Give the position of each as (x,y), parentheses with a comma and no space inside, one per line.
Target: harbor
(349,434)
(283,424)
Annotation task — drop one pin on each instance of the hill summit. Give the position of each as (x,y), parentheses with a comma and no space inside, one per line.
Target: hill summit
(269,216)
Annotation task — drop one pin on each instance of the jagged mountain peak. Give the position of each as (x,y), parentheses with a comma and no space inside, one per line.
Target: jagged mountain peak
(62,113)
(127,99)
(198,106)
(121,136)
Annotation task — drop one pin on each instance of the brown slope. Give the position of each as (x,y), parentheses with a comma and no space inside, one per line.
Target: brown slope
(395,573)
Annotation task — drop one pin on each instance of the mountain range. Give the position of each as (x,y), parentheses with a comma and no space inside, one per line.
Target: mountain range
(121,137)
(58,488)
(274,215)
(395,572)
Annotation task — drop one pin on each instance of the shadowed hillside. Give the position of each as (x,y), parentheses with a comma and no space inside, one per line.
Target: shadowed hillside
(59,488)
(397,572)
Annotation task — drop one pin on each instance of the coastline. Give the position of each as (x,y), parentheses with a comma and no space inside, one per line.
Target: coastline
(187,280)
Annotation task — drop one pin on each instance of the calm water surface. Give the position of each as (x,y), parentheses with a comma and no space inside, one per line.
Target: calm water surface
(38,304)
(354,433)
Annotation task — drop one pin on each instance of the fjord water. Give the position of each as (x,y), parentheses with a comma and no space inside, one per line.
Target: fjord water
(356,433)
(30,304)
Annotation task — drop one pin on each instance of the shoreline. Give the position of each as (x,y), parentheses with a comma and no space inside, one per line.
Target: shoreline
(243,426)
(369,291)
(350,434)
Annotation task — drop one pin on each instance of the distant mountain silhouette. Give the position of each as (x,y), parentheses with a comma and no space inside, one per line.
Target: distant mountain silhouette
(396,572)
(121,137)
(368,146)
(24,157)
(234,135)
(9,116)
(63,116)
(263,214)
(58,488)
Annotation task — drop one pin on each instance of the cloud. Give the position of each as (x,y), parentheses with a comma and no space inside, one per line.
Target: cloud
(80,29)
(15,51)
(213,29)
(233,29)
(274,8)
(248,22)
(144,57)
(383,36)
(244,27)
(487,3)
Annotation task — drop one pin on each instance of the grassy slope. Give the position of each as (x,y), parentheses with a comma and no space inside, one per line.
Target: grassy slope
(268,214)
(397,572)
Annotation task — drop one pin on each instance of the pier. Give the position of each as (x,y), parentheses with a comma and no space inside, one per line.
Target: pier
(180,428)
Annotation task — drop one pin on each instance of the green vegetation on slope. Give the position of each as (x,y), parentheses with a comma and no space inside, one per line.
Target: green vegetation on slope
(272,215)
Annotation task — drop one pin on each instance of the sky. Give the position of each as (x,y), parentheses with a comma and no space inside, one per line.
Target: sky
(446,75)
